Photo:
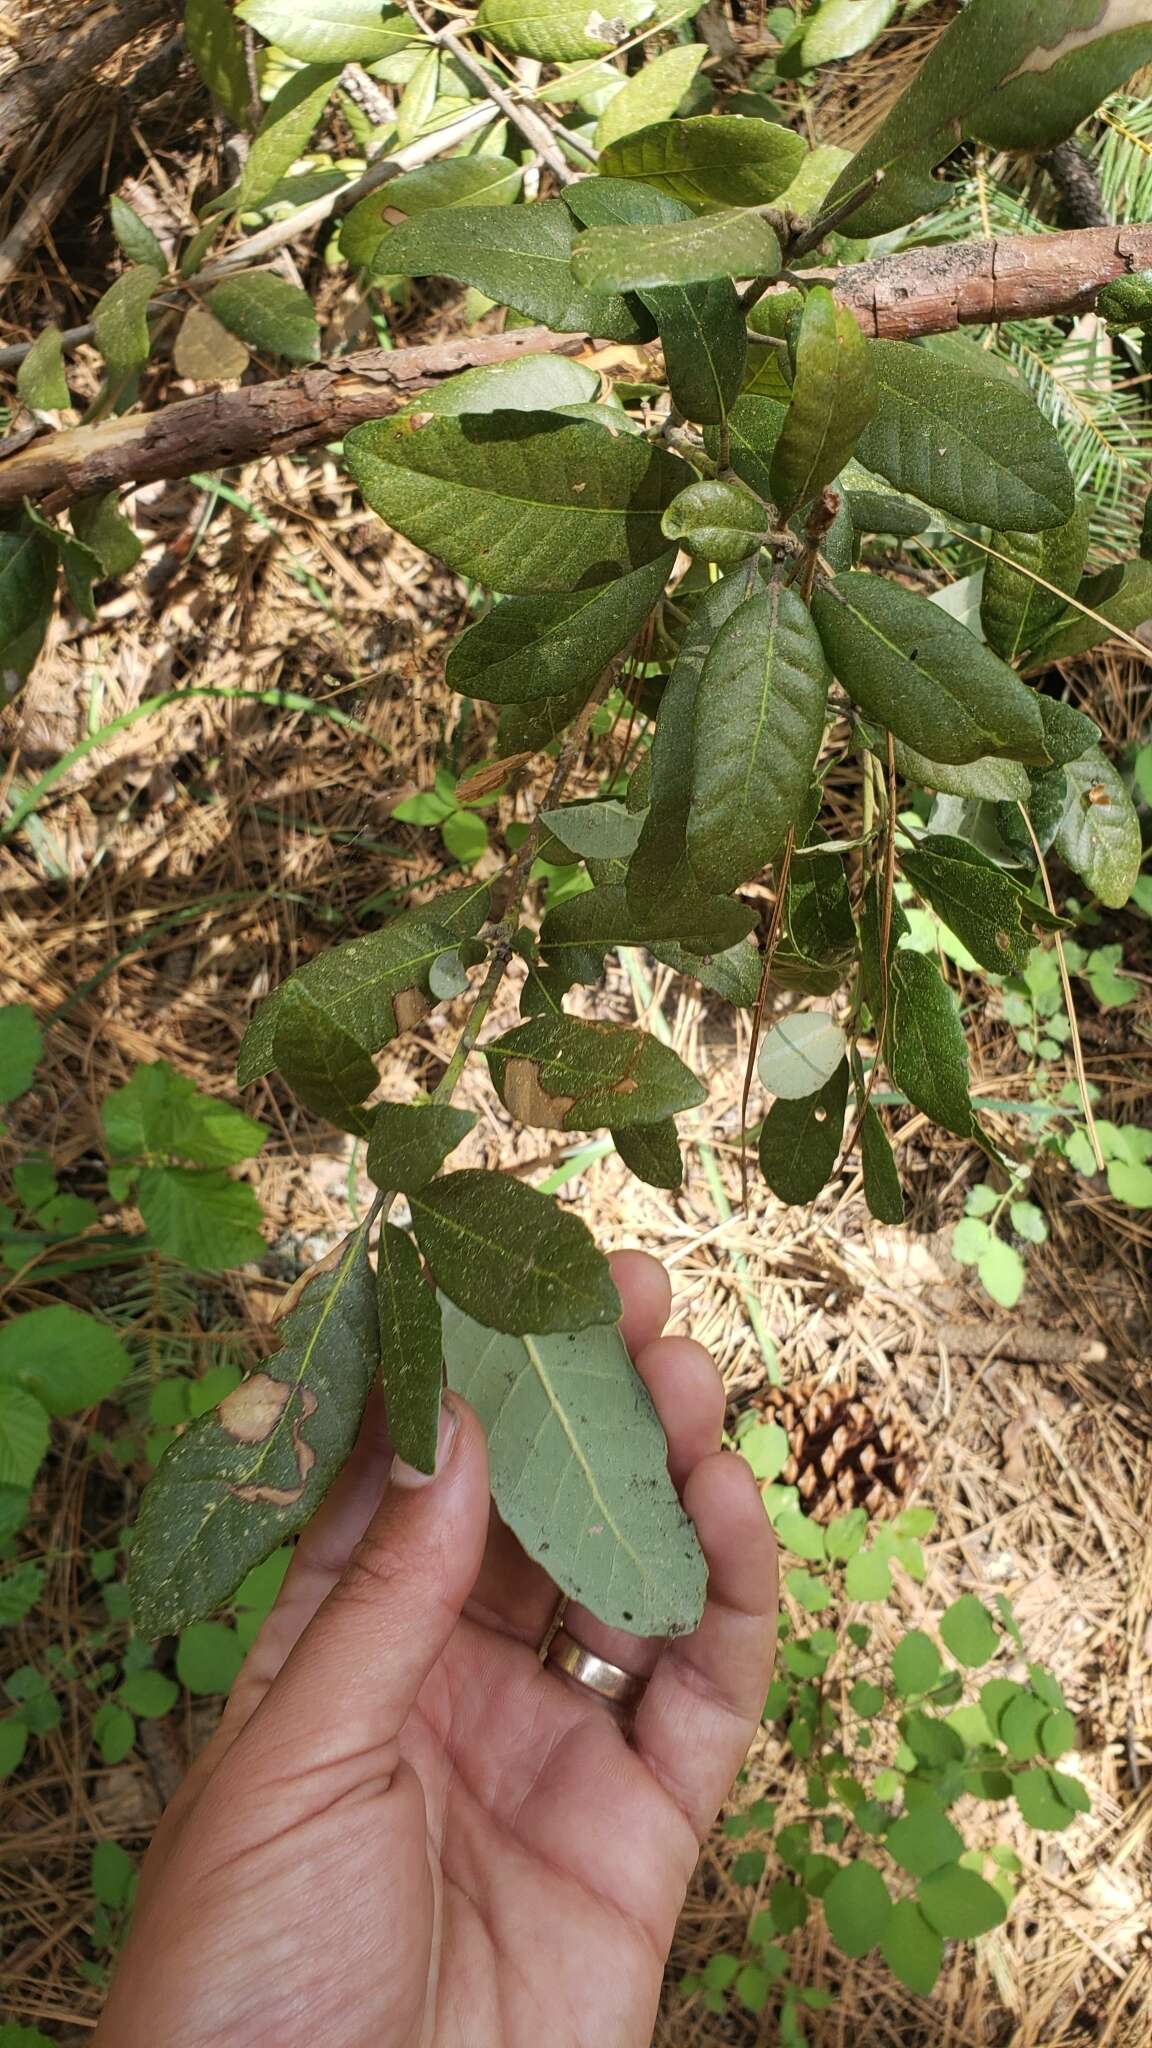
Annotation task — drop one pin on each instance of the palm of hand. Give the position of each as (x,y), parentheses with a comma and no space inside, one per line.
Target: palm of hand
(406,1831)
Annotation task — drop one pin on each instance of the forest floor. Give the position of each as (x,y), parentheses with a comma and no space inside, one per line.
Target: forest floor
(191,855)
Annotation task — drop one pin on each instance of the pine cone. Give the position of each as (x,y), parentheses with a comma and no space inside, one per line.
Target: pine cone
(846,1453)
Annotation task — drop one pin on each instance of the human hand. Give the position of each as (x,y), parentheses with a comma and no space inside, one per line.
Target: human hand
(407,1832)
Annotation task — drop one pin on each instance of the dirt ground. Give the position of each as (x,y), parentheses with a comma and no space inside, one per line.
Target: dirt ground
(196,848)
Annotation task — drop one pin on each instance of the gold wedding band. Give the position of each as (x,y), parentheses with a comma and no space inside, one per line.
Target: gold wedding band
(608,1681)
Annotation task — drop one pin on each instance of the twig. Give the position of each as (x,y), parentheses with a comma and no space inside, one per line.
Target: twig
(532,125)
(826,223)
(770,945)
(1069,1003)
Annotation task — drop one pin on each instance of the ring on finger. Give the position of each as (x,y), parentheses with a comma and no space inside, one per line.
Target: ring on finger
(608,1681)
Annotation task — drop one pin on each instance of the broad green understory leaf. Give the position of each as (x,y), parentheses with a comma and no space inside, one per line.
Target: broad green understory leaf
(21,1044)
(882,1190)
(736,243)
(986,907)
(500,1248)
(27,581)
(972,443)
(216,47)
(1018,74)
(652,1153)
(571,1074)
(701,326)
(269,314)
(374,986)
(331,31)
(526,503)
(240,1479)
(134,235)
(800,1140)
(652,94)
(1015,610)
(532,647)
(1122,595)
(1099,833)
(841,27)
(800,1054)
(579,1470)
(411,1350)
(119,320)
(758,724)
(456,181)
(562,31)
(925,1049)
(833,399)
(200,1216)
(40,380)
(543,383)
(411,1140)
(595,830)
(577,933)
(936,687)
(710,160)
(285,132)
(519,256)
(323,1064)
(66,1360)
(723,522)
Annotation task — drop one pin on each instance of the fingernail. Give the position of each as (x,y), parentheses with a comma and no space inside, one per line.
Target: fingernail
(408,1475)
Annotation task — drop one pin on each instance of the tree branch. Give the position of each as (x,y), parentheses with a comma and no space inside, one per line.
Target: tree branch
(64,58)
(923,291)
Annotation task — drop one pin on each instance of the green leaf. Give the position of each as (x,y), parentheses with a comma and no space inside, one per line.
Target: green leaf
(578,932)
(119,320)
(23,1436)
(758,725)
(161,1111)
(114,1733)
(959,1904)
(985,907)
(913,1950)
(1099,834)
(200,1216)
(525,503)
(857,1908)
(40,380)
(867,1576)
(21,1588)
(374,986)
(457,181)
(65,1359)
(208,1657)
(710,160)
(597,830)
(269,313)
(915,1663)
(800,1054)
(519,256)
(1002,1273)
(986,780)
(724,522)
(579,1467)
(27,583)
(1038,1795)
(866,1699)
(1015,611)
(322,1063)
(560,31)
(754,424)
(701,326)
(652,1153)
(652,94)
(1058,1732)
(135,237)
(800,1534)
(149,1694)
(734,243)
(971,444)
(766,1447)
(569,1074)
(923,1840)
(969,1631)
(410,1347)
(833,398)
(532,647)
(1014,73)
(411,1140)
(241,1479)
(475,1228)
(102,528)
(1121,594)
(333,31)
(1130,1183)
(216,47)
(800,1141)
(21,1044)
(882,1190)
(841,27)
(926,1050)
(113,1875)
(924,676)
(284,134)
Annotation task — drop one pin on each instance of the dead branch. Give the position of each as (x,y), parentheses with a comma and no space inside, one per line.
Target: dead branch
(924,291)
(50,67)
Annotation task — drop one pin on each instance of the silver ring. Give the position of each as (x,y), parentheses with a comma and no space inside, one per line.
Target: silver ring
(608,1681)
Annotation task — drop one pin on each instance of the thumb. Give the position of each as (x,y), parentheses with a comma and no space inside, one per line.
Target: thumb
(373,1642)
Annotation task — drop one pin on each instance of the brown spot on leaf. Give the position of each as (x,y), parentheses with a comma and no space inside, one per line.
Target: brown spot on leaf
(327,1264)
(410,1005)
(1003,941)
(252,1410)
(287,1496)
(528,1102)
(626,1087)
(1098,794)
